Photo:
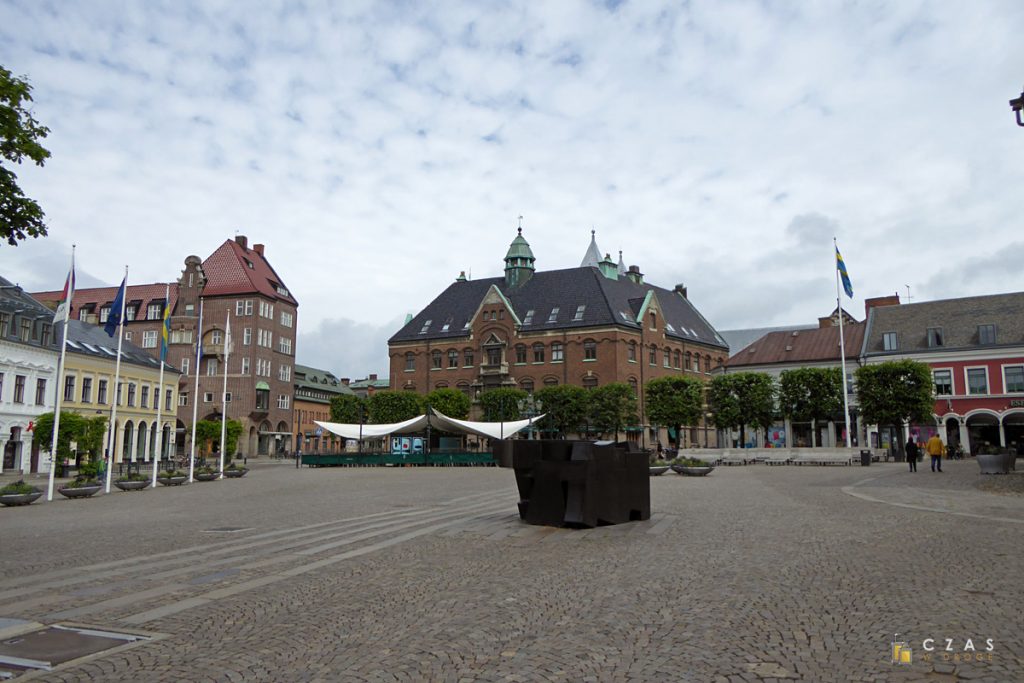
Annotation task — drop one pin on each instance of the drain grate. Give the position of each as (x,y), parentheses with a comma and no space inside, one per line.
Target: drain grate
(52,646)
(226,529)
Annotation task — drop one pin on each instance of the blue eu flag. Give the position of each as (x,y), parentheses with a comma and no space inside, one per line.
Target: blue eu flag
(114,318)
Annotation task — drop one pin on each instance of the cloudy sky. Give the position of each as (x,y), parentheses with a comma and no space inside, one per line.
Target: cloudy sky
(378,149)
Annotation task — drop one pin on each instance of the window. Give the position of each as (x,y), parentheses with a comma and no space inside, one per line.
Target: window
(493,356)
(104,314)
(526,385)
(467,358)
(5,324)
(557,352)
(19,388)
(87,390)
(44,334)
(120,392)
(211,367)
(943,380)
(1014,375)
(579,312)
(129,312)
(453,358)
(589,382)
(248,306)
(284,345)
(634,387)
(934,336)
(184,365)
(262,399)
(240,307)
(154,311)
(284,373)
(145,398)
(447,324)
(426,326)
(287,319)
(245,365)
(127,336)
(101,392)
(131,394)
(590,350)
(262,367)
(181,336)
(40,392)
(529,317)
(977,381)
(167,399)
(216,337)
(666,357)
(538,353)
(889,342)
(501,314)
(283,401)
(653,359)
(69,388)
(265,338)
(266,310)
(208,397)
(554,315)
(149,339)
(689,360)
(410,361)
(986,334)
(247,336)
(677,359)
(631,351)
(183,399)
(26,330)
(707,364)
(654,320)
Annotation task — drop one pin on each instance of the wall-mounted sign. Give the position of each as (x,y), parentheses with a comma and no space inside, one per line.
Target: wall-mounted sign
(1017,403)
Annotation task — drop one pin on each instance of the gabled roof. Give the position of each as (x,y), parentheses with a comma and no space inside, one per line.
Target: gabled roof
(742,338)
(19,305)
(234,269)
(97,297)
(366,383)
(958,319)
(92,340)
(607,302)
(817,345)
(323,380)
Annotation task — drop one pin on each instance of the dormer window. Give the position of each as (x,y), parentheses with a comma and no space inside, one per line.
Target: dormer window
(889,341)
(447,324)
(529,317)
(426,326)
(554,315)
(986,334)
(934,337)
(579,312)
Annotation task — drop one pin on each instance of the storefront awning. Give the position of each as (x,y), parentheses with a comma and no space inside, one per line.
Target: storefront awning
(491,430)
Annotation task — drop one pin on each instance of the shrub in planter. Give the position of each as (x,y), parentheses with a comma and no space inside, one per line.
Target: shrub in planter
(172,477)
(81,486)
(234,471)
(133,481)
(19,493)
(206,473)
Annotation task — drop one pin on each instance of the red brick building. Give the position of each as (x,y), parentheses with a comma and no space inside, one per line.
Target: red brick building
(237,281)
(592,325)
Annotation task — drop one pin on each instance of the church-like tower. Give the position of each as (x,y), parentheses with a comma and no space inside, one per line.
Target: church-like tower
(518,261)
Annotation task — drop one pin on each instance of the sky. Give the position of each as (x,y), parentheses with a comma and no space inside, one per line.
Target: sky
(380,148)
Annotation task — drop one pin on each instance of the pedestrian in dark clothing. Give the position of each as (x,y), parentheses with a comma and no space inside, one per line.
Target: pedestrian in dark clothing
(912,453)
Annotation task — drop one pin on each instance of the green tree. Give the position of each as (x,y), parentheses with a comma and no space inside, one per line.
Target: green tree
(208,436)
(20,133)
(613,407)
(565,406)
(450,402)
(674,402)
(740,399)
(86,431)
(807,394)
(502,404)
(895,392)
(390,406)
(348,409)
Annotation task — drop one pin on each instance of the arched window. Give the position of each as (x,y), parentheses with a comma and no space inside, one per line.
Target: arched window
(631,348)
(689,357)
(550,381)
(520,353)
(467,358)
(538,353)
(677,359)
(654,355)
(666,357)
(465,388)
(707,364)
(589,350)
(526,385)
(634,386)
(453,358)
(589,382)
(557,352)
(441,385)
(410,361)
(435,359)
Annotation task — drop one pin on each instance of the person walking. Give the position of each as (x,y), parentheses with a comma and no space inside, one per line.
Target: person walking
(912,454)
(935,448)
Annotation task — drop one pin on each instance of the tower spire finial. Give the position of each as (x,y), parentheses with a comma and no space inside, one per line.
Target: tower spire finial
(520,224)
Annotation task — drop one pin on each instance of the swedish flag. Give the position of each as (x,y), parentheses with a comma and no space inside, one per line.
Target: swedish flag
(847,286)
(165,330)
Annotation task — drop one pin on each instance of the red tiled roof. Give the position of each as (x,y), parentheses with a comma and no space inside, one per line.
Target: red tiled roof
(233,269)
(800,346)
(101,296)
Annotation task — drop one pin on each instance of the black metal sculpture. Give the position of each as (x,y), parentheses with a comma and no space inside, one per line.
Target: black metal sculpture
(578,483)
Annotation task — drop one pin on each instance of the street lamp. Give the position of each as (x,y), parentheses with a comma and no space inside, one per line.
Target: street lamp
(1018,105)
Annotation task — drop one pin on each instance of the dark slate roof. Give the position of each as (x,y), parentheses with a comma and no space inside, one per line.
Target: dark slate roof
(608,302)
(92,340)
(958,318)
(18,305)
(801,346)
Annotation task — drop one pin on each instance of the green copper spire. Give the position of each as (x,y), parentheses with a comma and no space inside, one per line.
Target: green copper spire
(518,261)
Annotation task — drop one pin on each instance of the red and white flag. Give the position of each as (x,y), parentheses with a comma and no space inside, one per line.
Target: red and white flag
(64,307)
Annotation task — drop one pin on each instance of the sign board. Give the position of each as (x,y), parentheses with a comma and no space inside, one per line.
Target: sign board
(1017,403)
(73,445)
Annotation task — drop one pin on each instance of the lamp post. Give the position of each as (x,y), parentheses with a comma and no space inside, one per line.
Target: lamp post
(1018,106)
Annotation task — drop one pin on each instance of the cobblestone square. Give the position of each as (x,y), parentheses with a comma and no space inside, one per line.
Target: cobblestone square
(426,574)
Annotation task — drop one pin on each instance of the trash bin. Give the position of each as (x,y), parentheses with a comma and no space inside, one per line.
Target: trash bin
(865,458)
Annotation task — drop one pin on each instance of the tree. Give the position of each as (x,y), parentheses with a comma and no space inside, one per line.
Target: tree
(612,407)
(390,406)
(20,216)
(208,434)
(450,402)
(502,404)
(86,431)
(348,409)
(895,392)
(565,406)
(674,402)
(807,394)
(740,399)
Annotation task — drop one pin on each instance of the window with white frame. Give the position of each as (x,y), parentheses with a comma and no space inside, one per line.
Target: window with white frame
(183,399)
(149,339)
(211,367)
(216,337)
(284,345)
(889,341)
(184,366)
(943,380)
(266,310)
(284,373)
(181,336)
(245,365)
(208,397)
(247,336)
(283,401)
(154,311)
(1013,379)
(287,319)
(977,381)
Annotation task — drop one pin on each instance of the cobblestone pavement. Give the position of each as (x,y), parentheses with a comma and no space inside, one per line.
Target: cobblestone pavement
(391,574)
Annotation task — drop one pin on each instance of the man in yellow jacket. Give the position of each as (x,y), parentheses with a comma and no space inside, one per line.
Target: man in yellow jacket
(936,448)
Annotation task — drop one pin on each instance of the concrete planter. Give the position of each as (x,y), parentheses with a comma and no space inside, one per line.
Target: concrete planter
(206,476)
(79,491)
(993,464)
(236,473)
(658,470)
(131,485)
(692,471)
(172,481)
(14,499)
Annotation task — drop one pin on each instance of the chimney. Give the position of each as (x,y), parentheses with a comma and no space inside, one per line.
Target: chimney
(345,381)
(258,248)
(242,241)
(373,378)
(877,301)
(461,277)
(680,290)
(635,275)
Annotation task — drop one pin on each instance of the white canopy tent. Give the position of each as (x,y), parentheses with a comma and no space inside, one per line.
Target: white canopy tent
(491,430)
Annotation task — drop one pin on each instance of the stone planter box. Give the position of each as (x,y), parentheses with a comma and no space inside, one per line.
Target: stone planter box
(206,476)
(658,470)
(236,473)
(172,481)
(131,485)
(13,499)
(692,471)
(993,464)
(80,491)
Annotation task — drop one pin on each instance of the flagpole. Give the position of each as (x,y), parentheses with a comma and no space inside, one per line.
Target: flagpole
(117,383)
(224,395)
(160,391)
(842,352)
(70,286)
(195,396)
